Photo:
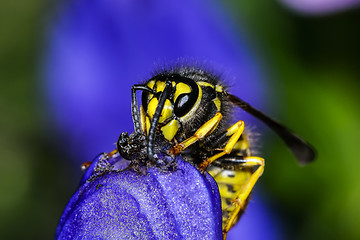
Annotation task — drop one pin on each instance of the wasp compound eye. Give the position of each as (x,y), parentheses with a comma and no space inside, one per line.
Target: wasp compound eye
(184,103)
(186,95)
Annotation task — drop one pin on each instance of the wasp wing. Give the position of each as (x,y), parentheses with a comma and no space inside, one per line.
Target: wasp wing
(301,149)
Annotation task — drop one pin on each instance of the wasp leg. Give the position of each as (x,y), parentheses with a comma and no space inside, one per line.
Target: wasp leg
(235,132)
(110,154)
(202,132)
(241,199)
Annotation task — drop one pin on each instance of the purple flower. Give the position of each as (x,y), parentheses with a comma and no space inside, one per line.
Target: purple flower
(98,49)
(320,6)
(180,204)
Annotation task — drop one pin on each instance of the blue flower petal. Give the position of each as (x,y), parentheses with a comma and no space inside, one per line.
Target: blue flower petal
(181,204)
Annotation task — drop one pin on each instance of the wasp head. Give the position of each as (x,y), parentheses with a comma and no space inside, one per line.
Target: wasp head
(181,101)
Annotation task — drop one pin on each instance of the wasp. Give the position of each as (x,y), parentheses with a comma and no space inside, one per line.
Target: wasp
(188,111)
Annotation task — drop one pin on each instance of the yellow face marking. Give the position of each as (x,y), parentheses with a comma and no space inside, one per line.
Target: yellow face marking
(169,130)
(166,112)
(152,107)
(147,124)
(219,88)
(160,86)
(151,95)
(151,84)
(205,84)
(180,89)
(142,119)
(217,104)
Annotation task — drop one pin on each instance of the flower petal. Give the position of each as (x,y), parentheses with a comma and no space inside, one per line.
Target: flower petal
(181,204)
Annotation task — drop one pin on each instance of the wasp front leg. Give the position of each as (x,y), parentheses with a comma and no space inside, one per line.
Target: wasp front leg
(201,133)
(234,132)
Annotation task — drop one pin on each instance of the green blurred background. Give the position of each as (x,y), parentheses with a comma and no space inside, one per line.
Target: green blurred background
(313,64)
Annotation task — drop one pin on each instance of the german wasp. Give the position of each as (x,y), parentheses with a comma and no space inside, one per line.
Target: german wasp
(189,111)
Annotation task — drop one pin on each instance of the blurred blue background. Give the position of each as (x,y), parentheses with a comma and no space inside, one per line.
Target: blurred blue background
(63,100)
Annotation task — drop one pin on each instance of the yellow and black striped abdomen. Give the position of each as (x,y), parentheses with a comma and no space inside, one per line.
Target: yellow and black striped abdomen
(232,177)
(230,183)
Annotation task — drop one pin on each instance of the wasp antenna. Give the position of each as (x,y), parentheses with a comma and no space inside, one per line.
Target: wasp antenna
(301,149)
(134,105)
(156,117)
